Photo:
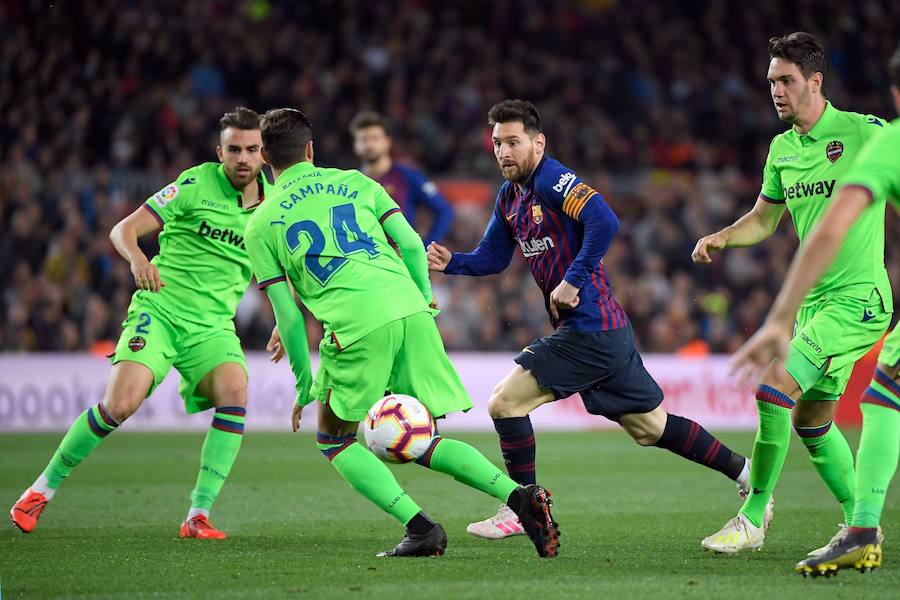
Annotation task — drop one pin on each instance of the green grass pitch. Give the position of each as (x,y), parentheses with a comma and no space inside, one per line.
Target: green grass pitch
(631,520)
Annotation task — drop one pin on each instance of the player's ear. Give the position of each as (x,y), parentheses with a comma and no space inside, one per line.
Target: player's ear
(265,155)
(219,153)
(540,142)
(309,151)
(816,80)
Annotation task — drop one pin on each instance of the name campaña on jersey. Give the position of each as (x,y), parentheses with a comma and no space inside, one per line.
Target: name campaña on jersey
(801,189)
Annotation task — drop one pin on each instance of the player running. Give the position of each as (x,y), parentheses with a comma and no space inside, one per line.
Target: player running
(840,319)
(325,231)
(563,228)
(180,316)
(872,181)
(406,185)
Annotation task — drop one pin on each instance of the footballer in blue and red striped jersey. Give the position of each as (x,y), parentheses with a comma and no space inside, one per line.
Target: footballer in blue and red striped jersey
(409,187)
(563,227)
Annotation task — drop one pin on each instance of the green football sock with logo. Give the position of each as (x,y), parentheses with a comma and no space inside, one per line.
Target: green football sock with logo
(467,465)
(833,460)
(220,449)
(367,475)
(769,450)
(83,437)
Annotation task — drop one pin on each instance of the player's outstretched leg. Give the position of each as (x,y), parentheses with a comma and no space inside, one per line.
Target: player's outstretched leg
(511,402)
(127,387)
(747,530)
(370,477)
(530,503)
(876,462)
(226,387)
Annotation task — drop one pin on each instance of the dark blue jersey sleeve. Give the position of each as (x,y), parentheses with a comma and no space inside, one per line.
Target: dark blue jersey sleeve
(493,252)
(565,191)
(425,193)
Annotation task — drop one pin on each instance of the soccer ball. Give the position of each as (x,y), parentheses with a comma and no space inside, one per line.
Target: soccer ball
(398,429)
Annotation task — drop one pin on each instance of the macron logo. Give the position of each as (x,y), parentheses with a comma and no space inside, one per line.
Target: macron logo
(564,183)
(224,235)
(535,246)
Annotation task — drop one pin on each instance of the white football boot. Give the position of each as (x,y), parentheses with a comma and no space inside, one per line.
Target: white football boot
(502,525)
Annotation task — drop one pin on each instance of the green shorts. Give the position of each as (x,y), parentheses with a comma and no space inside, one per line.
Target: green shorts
(405,356)
(830,336)
(890,352)
(153,339)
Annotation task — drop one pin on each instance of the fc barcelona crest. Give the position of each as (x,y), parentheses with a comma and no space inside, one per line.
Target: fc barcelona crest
(834,150)
(537,214)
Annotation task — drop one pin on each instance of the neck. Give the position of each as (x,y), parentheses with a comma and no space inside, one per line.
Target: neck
(276,173)
(806,122)
(250,194)
(378,168)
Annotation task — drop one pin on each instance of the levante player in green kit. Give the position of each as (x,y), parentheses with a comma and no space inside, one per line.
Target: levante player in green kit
(840,319)
(872,181)
(180,316)
(326,231)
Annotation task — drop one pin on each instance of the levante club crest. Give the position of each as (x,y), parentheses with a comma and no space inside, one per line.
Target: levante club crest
(834,150)
(537,214)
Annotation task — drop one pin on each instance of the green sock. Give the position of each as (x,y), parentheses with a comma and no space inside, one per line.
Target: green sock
(367,475)
(769,450)
(831,456)
(83,437)
(876,460)
(469,466)
(220,448)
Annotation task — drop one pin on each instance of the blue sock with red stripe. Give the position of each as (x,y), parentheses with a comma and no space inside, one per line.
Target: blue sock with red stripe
(773,438)
(688,439)
(220,449)
(833,460)
(83,437)
(518,448)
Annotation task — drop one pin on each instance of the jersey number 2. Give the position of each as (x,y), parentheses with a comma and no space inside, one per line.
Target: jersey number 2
(348,237)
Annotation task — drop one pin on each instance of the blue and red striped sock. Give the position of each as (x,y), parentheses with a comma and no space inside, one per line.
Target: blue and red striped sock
(687,438)
(518,448)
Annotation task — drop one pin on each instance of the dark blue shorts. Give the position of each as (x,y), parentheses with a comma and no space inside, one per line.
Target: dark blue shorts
(603,366)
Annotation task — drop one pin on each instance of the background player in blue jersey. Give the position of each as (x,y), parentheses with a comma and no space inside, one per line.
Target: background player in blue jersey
(563,228)
(406,185)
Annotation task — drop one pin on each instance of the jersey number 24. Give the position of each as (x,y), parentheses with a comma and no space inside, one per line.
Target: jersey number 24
(348,237)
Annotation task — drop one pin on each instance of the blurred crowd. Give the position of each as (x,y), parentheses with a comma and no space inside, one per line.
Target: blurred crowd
(663,107)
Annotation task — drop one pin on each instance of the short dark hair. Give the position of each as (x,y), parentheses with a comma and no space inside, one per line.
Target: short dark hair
(510,111)
(894,68)
(802,49)
(368,118)
(285,133)
(240,118)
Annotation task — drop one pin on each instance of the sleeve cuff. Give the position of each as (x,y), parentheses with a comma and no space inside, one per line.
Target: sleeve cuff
(267,282)
(155,214)
(771,200)
(387,214)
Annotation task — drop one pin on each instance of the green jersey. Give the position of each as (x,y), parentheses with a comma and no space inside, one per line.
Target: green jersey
(802,170)
(321,229)
(202,256)
(878,167)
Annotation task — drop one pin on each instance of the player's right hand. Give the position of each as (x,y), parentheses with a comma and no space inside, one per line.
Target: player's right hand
(705,245)
(295,417)
(275,346)
(771,342)
(438,257)
(146,275)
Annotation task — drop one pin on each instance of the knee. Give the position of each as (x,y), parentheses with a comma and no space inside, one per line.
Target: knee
(501,405)
(813,413)
(641,431)
(123,404)
(231,394)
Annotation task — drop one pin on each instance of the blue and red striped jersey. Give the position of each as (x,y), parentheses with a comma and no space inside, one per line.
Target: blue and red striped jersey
(410,189)
(563,227)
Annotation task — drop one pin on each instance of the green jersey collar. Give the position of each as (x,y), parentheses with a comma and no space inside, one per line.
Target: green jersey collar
(295,169)
(824,123)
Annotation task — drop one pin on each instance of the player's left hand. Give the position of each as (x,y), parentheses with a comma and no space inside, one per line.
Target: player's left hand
(295,417)
(275,346)
(565,297)
(771,342)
